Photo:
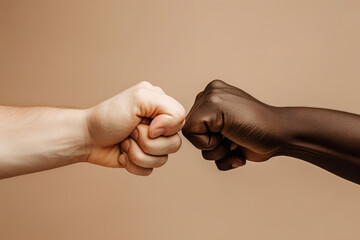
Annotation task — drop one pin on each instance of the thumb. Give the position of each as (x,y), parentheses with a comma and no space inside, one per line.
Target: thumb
(165,125)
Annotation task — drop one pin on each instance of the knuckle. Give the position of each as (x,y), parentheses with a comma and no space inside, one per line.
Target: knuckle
(215,84)
(144,84)
(139,94)
(182,113)
(214,96)
(178,117)
(178,110)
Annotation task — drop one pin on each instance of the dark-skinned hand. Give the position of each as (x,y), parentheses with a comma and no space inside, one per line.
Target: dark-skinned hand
(230,126)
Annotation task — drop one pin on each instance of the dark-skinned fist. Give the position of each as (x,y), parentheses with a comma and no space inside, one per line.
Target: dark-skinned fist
(230,126)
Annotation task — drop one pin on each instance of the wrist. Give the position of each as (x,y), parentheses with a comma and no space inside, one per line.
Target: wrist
(87,139)
(299,126)
(287,120)
(72,141)
(73,138)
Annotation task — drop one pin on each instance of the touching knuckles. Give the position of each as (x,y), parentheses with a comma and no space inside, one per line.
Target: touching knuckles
(209,126)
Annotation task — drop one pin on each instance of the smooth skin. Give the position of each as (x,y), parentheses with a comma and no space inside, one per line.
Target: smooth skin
(230,126)
(135,130)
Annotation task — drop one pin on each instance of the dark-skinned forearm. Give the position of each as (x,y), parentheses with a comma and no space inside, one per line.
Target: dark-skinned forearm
(327,138)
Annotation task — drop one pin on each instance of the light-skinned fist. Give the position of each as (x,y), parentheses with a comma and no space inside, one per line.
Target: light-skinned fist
(135,129)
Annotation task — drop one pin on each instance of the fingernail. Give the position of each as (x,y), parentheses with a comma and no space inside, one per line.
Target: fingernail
(122,160)
(126,145)
(236,165)
(157,132)
(135,134)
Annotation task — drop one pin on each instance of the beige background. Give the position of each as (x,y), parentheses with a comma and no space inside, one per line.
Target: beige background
(78,53)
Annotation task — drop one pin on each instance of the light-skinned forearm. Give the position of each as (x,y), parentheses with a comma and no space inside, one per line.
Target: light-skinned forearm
(39,138)
(327,138)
